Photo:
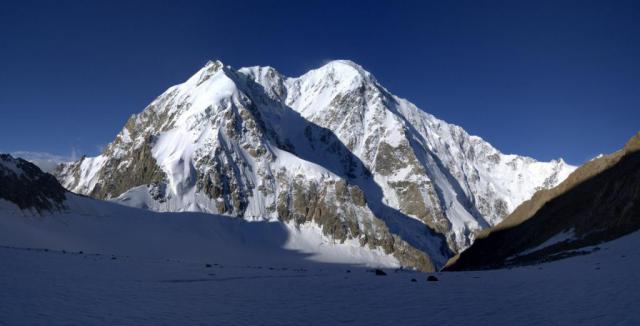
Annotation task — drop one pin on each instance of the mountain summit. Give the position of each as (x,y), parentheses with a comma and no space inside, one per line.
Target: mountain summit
(331,149)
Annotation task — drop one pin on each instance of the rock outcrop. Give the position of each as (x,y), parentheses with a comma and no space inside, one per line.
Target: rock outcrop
(25,185)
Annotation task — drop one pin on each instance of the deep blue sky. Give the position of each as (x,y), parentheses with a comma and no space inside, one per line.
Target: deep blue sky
(546,79)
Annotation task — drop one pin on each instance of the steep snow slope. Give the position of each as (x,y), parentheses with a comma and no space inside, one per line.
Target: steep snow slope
(332,148)
(476,184)
(344,98)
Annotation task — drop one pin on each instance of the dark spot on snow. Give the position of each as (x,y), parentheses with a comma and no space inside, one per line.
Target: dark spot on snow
(432,278)
(207,265)
(380,272)
(348,271)
(414,280)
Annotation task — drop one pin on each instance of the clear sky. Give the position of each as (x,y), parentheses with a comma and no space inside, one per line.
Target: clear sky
(546,79)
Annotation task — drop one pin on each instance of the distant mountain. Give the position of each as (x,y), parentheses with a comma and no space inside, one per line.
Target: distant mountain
(331,150)
(24,185)
(47,162)
(598,202)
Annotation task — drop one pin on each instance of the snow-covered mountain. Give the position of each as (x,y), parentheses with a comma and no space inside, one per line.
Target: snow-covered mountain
(598,202)
(332,150)
(47,162)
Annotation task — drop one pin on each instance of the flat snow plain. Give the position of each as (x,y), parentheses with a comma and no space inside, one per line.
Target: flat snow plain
(45,279)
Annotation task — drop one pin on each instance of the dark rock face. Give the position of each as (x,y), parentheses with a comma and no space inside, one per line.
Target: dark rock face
(599,202)
(412,203)
(224,183)
(142,171)
(328,205)
(25,185)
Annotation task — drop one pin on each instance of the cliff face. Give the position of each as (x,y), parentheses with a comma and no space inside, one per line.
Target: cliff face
(598,202)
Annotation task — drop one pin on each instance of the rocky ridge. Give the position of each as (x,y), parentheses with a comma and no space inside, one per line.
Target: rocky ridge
(26,186)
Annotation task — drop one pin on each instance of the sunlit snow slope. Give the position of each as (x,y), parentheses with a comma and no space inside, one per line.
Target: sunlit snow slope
(91,225)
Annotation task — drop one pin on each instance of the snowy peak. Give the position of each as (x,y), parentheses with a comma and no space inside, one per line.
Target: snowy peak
(331,147)
(339,71)
(209,69)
